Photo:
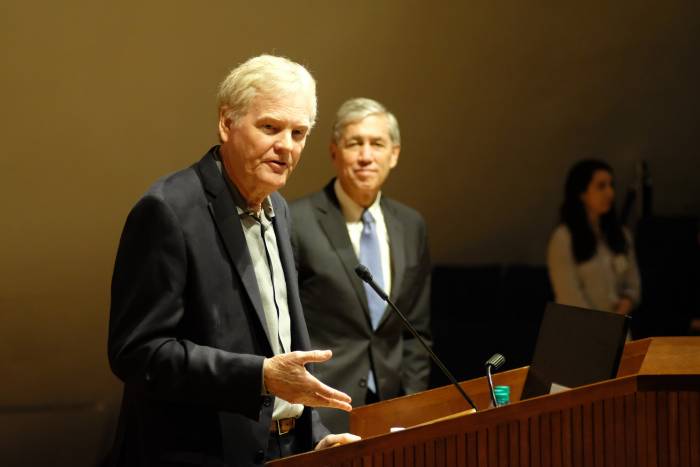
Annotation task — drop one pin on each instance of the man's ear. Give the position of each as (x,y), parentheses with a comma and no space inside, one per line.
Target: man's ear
(394,158)
(333,148)
(225,122)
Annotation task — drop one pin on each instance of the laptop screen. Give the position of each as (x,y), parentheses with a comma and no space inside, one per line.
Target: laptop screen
(575,346)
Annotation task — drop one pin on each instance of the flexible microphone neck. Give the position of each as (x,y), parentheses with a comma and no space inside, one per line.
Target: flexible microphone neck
(496,361)
(364,274)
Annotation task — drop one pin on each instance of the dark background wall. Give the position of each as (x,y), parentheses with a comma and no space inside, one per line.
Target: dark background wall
(495,101)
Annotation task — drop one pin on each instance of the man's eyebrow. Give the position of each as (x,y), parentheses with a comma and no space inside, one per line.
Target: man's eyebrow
(269,117)
(369,138)
(279,119)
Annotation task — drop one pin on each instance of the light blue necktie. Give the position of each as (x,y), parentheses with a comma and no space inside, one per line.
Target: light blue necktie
(370,256)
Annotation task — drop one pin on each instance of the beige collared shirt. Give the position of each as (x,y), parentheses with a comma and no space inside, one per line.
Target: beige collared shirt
(353,221)
(269,276)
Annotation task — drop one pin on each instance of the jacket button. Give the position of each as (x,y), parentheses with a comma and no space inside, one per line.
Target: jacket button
(363,382)
(267,401)
(259,457)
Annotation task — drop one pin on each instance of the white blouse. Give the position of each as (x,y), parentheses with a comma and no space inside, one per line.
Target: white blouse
(598,283)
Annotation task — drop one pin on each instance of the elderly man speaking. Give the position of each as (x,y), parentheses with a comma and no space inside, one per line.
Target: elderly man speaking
(206,327)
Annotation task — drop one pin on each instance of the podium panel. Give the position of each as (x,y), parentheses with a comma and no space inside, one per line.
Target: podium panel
(648,416)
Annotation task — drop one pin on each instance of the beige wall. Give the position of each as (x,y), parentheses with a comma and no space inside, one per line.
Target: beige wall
(495,100)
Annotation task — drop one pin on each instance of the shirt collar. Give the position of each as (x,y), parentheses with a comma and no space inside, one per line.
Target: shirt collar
(351,210)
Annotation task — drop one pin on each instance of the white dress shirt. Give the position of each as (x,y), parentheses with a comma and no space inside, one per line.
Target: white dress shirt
(353,221)
(273,296)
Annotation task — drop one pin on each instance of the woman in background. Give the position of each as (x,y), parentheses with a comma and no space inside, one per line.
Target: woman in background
(590,256)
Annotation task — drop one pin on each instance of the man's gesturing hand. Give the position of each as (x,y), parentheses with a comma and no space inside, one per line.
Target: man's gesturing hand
(285,376)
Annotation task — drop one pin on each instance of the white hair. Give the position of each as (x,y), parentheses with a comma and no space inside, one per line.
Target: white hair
(359,108)
(265,75)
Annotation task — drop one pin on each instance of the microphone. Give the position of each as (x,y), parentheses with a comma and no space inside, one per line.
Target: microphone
(364,274)
(496,361)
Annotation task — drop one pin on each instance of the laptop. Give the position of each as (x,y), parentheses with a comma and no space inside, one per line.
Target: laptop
(575,347)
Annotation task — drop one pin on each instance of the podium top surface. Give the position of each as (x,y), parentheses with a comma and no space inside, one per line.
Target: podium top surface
(672,356)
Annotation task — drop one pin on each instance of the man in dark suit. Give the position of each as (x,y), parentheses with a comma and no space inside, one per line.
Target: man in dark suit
(206,326)
(350,221)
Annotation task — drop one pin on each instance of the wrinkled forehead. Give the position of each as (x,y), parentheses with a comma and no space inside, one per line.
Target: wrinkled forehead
(294,104)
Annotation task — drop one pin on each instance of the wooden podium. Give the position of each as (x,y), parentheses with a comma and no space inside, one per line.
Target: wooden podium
(648,416)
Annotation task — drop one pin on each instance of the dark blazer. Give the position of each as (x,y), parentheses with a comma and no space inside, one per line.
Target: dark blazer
(335,303)
(187,332)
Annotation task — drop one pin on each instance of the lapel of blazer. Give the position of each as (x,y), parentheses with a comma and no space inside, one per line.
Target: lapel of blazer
(396,248)
(228,225)
(330,217)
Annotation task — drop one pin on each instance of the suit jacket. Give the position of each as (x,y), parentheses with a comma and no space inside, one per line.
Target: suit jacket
(187,331)
(335,302)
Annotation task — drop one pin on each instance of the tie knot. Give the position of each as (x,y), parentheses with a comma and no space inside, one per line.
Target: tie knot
(367,217)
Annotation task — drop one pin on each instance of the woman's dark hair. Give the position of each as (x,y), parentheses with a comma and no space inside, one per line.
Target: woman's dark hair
(573,213)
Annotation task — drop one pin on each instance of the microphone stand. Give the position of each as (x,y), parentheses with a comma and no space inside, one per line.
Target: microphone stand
(366,276)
